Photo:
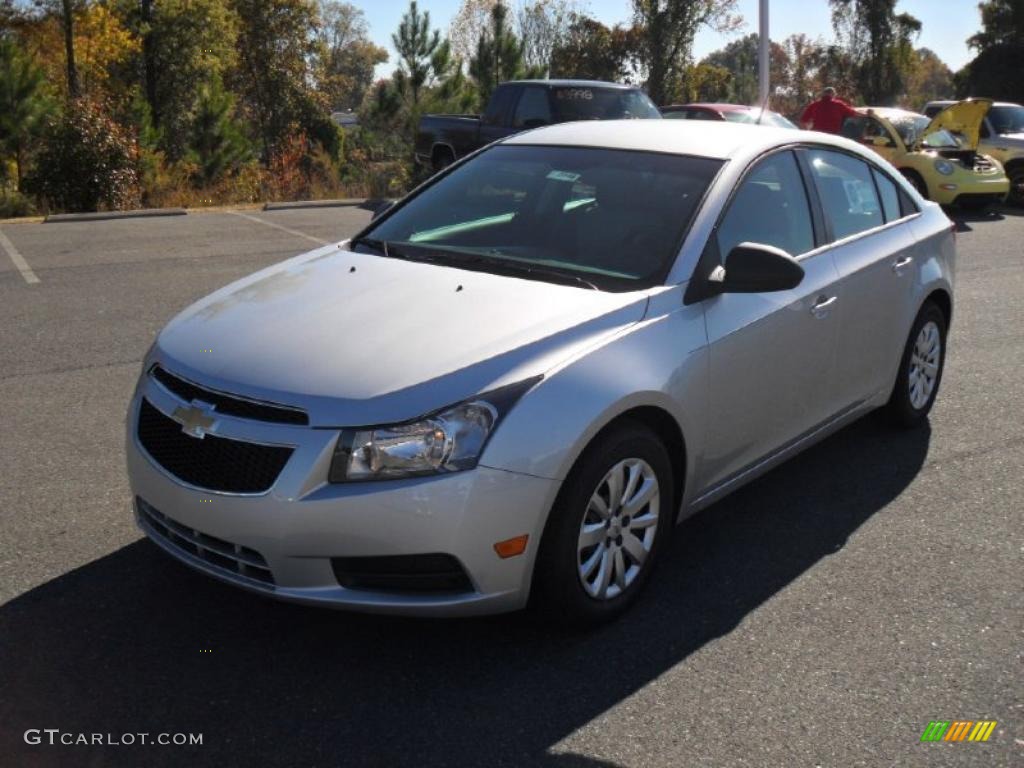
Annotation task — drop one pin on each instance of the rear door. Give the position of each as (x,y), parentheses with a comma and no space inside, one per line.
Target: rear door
(874,254)
(771,355)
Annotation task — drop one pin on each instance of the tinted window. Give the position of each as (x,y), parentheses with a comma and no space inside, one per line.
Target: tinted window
(890,197)
(847,192)
(533,109)
(770,208)
(691,114)
(498,105)
(601,104)
(1007,119)
(617,218)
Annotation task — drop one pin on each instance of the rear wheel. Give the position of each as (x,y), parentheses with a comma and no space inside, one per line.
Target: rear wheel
(915,178)
(920,374)
(607,528)
(1016,174)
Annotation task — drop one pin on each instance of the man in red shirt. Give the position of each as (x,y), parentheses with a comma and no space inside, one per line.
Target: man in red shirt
(827,113)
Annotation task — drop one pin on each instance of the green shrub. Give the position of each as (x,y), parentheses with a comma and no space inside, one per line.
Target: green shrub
(87,161)
(14,204)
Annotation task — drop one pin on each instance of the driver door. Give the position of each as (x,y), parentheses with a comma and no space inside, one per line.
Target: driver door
(771,355)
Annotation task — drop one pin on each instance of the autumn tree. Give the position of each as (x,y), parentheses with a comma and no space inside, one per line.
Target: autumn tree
(929,79)
(468,25)
(666,39)
(590,50)
(276,44)
(350,56)
(740,59)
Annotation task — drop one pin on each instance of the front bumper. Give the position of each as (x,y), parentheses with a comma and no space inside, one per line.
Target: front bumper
(281,543)
(947,190)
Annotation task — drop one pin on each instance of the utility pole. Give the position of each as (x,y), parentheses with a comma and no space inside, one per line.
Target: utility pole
(764,48)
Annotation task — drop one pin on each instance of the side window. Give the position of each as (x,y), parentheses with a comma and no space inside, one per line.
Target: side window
(985,132)
(847,192)
(770,207)
(533,109)
(494,114)
(890,197)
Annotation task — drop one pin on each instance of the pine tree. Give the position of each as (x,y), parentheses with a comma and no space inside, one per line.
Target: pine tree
(219,144)
(499,55)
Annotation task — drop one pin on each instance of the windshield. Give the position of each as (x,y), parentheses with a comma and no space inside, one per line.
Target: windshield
(570,104)
(614,218)
(1007,119)
(910,128)
(770,118)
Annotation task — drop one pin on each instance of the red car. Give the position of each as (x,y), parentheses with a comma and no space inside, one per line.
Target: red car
(735,113)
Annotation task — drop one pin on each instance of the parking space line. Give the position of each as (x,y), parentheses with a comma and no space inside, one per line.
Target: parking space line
(266,223)
(19,260)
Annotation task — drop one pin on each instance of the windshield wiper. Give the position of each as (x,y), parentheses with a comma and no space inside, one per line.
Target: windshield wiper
(534,269)
(433,255)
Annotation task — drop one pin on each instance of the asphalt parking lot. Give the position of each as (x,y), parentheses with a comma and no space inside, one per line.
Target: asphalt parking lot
(822,616)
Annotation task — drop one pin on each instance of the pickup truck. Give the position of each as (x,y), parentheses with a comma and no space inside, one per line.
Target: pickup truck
(519,105)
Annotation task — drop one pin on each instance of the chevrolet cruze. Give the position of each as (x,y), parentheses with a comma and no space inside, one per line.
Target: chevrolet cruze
(511,385)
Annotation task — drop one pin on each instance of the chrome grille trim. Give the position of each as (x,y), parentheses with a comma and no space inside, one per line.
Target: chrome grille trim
(233,561)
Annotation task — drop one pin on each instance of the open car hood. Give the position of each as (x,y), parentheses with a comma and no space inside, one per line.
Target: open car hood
(963,119)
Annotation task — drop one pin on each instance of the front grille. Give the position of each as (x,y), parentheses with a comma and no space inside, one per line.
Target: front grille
(224,556)
(229,404)
(402,573)
(213,463)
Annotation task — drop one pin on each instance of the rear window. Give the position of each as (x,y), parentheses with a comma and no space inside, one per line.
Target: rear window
(570,104)
(616,218)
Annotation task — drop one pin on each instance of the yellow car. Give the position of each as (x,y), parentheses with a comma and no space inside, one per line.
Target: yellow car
(938,156)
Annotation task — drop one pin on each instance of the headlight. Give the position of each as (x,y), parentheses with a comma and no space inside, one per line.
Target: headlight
(450,440)
(943,166)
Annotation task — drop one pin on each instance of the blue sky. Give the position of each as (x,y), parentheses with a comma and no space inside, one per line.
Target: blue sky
(946,23)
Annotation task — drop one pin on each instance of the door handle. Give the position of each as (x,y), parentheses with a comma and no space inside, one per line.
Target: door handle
(822,305)
(899,264)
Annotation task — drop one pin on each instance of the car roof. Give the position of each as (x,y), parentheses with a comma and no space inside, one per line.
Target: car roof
(699,138)
(573,84)
(947,102)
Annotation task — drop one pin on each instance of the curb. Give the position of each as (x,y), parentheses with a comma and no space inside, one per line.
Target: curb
(343,203)
(105,215)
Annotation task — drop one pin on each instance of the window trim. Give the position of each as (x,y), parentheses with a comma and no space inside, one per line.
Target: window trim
(519,99)
(711,257)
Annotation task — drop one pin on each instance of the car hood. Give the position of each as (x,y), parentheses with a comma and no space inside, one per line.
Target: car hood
(358,339)
(963,119)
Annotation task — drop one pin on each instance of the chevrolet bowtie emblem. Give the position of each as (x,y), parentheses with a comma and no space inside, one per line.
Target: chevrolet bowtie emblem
(196,420)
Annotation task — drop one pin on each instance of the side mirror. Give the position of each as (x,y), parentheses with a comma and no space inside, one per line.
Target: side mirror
(757,268)
(381,209)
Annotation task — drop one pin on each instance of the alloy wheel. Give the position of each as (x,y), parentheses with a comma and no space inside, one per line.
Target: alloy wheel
(924,365)
(618,529)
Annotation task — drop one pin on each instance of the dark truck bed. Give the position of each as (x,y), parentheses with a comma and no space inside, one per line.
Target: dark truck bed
(521,105)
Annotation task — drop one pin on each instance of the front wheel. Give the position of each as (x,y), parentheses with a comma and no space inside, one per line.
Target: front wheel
(915,178)
(606,529)
(924,357)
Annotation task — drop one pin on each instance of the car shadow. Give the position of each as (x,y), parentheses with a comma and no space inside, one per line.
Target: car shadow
(135,642)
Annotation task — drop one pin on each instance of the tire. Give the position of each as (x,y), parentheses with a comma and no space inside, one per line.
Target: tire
(914,392)
(564,590)
(915,178)
(441,159)
(1016,175)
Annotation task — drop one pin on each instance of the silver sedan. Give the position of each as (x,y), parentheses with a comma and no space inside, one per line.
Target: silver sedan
(510,387)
